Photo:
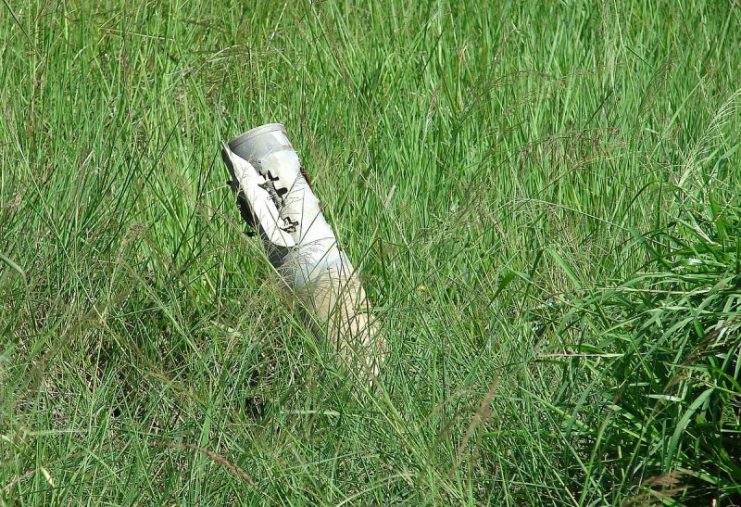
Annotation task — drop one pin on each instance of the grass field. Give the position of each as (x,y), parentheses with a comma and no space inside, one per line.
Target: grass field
(545,198)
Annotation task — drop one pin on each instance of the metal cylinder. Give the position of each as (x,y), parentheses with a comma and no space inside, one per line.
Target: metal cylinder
(310,260)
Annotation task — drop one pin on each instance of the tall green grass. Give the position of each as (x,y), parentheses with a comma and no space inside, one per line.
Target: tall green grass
(544,198)
(652,381)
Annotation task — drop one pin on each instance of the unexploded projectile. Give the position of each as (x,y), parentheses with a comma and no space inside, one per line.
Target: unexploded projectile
(276,199)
